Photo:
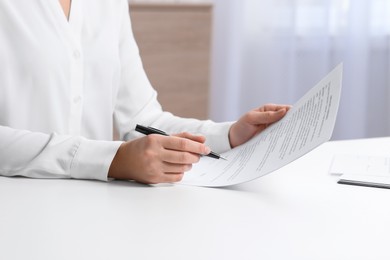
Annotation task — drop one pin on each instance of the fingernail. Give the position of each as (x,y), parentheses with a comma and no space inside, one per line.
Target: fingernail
(207,150)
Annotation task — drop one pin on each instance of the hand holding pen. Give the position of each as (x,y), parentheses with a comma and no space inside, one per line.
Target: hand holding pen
(157,158)
(147,130)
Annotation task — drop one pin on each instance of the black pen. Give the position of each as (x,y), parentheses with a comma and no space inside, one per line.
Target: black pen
(147,130)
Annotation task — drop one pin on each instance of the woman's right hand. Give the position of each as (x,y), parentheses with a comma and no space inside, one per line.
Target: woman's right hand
(157,159)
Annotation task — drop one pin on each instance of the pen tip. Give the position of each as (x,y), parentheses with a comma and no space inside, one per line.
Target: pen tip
(220,157)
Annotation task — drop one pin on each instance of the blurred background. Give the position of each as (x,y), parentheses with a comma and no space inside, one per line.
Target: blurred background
(219,58)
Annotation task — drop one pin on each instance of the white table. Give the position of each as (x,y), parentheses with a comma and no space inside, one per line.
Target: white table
(298,212)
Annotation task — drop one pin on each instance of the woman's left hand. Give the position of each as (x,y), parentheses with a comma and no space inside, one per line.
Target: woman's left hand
(255,121)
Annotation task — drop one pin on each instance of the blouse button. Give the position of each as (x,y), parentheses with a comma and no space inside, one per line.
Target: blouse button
(76,54)
(76,99)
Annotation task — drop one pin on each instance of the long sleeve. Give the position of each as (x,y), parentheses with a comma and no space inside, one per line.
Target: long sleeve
(65,84)
(38,155)
(135,89)
(56,84)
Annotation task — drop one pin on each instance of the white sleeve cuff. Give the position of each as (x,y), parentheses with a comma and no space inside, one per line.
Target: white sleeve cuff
(218,137)
(93,159)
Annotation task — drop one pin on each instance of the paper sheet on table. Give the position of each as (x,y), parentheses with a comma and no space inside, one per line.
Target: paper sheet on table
(308,124)
(352,164)
(362,170)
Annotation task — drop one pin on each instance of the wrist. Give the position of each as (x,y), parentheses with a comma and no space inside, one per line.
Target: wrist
(232,135)
(116,168)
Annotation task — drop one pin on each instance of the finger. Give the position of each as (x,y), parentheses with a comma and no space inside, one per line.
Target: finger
(273,107)
(196,138)
(179,157)
(172,177)
(185,145)
(268,117)
(175,167)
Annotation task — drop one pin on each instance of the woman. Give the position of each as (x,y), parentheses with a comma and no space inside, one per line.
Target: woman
(70,73)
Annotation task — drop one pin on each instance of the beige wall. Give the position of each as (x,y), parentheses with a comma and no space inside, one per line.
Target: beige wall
(172,1)
(174,41)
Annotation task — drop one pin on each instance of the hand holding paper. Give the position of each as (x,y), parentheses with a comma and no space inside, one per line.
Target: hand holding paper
(254,122)
(308,124)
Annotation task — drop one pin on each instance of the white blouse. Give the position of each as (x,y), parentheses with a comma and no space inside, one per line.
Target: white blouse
(64,86)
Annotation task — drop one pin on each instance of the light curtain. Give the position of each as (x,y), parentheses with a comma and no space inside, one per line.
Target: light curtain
(273,51)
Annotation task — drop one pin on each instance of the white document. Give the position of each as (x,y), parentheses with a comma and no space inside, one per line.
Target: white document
(308,124)
(362,170)
(361,165)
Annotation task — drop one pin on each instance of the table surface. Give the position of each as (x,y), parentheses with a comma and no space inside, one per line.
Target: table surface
(297,212)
